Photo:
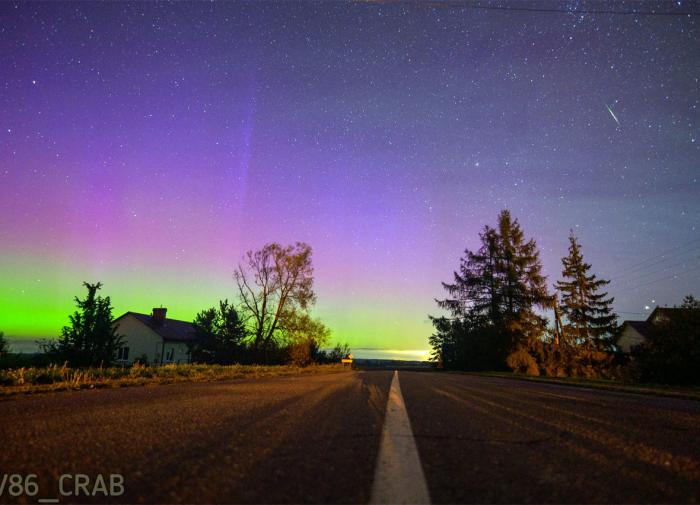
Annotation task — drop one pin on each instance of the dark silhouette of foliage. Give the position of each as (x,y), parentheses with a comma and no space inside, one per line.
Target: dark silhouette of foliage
(671,352)
(221,336)
(340,351)
(305,337)
(90,339)
(587,308)
(469,343)
(492,301)
(4,346)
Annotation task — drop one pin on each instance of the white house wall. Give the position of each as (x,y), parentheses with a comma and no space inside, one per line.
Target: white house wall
(180,352)
(140,339)
(629,338)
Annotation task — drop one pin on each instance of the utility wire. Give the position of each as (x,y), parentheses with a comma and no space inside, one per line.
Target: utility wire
(674,276)
(674,258)
(627,279)
(477,6)
(673,251)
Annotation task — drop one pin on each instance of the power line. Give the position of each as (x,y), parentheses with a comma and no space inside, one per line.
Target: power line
(676,259)
(627,279)
(674,276)
(466,5)
(662,255)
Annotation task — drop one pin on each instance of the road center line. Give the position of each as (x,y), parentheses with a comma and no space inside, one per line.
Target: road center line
(398,476)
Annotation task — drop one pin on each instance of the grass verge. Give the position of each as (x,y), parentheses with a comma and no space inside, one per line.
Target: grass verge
(62,378)
(688,393)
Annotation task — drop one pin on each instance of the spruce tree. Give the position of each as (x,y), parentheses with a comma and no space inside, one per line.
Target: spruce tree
(475,290)
(587,308)
(494,296)
(90,339)
(522,284)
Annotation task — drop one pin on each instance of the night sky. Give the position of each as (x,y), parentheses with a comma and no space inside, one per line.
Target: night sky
(150,145)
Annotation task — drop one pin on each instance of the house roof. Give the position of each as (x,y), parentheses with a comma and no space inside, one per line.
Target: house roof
(667,312)
(642,327)
(168,329)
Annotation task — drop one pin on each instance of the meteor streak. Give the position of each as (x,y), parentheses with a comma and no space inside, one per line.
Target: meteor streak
(613,114)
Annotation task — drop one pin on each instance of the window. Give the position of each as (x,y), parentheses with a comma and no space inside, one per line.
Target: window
(123,354)
(170,354)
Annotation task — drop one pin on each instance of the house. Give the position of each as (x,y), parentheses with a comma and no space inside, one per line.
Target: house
(633,333)
(154,338)
(636,332)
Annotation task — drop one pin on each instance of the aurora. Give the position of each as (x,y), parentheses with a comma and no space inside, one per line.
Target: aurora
(149,145)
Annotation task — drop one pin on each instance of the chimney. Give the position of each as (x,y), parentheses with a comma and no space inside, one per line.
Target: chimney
(159,314)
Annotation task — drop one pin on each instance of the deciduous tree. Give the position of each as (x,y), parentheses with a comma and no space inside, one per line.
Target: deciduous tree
(305,336)
(274,283)
(221,335)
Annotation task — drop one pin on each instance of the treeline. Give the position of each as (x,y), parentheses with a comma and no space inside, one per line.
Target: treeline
(224,338)
(271,323)
(498,303)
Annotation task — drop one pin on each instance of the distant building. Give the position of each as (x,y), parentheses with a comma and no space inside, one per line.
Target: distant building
(156,338)
(636,332)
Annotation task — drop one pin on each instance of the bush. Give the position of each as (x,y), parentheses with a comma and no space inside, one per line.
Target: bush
(301,353)
(4,346)
(520,361)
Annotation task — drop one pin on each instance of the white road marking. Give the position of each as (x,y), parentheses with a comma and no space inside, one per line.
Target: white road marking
(398,477)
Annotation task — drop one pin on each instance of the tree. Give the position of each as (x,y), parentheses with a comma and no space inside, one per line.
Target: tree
(493,299)
(221,335)
(274,283)
(4,346)
(90,339)
(305,337)
(468,343)
(340,351)
(587,308)
(671,352)
(522,284)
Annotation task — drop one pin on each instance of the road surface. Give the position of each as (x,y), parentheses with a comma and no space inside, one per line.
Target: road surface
(329,438)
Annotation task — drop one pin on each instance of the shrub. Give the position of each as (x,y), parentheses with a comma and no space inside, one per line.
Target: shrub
(302,353)
(520,361)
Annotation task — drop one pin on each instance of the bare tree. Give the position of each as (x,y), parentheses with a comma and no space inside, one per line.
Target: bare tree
(274,283)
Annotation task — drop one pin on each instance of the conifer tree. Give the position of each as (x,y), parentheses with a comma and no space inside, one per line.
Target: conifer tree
(523,285)
(91,339)
(494,297)
(476,289)
(587,308)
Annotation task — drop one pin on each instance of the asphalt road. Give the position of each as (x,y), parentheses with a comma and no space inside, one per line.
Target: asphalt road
(317,438)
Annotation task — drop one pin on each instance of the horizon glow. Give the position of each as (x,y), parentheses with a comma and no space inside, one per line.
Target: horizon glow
(149,146)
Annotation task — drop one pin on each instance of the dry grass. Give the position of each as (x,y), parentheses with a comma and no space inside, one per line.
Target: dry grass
(61,378)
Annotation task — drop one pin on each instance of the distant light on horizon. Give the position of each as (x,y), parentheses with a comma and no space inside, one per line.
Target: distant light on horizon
(385,136)
(397,354)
